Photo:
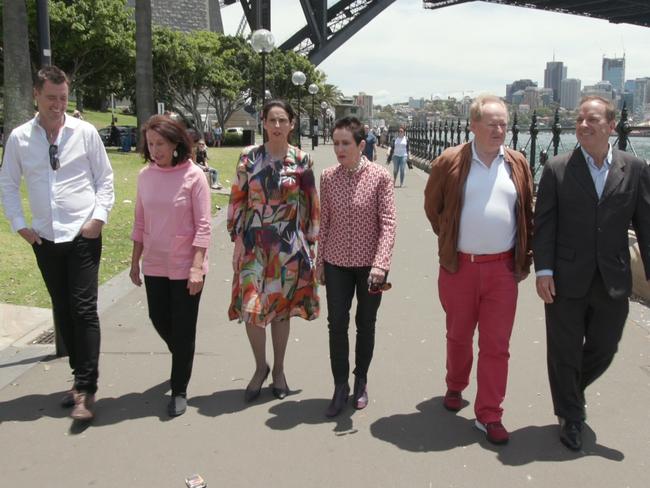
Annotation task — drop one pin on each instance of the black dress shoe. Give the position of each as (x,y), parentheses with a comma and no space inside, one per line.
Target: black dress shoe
(339,399)
(280,393)
(571,434)
(251,394)
(177,406)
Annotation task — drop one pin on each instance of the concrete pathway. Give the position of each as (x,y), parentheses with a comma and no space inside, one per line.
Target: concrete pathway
(404,438)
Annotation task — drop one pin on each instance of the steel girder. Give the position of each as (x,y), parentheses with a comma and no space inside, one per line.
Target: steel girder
(328,28)
(635,12)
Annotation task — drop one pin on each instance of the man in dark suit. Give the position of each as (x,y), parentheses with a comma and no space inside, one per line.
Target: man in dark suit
(585,203)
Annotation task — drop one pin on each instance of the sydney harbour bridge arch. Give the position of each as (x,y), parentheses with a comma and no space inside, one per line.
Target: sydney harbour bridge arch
(328,24)
(327,28)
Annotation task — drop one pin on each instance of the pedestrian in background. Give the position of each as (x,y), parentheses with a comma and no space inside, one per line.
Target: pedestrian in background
(273,219)
(399,155)
(69,182)
(369,149)
(201,160)
(355,248)
(586,201)
(171,234)
(478,199)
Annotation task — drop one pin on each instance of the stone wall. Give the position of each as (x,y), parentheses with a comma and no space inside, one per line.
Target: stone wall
(184,15)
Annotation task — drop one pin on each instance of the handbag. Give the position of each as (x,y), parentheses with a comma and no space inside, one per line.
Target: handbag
(409,163)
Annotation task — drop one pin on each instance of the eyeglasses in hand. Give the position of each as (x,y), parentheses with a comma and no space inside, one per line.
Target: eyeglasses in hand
(376,288)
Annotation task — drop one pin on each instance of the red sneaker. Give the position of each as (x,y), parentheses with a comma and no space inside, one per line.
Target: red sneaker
(453,401)
(495,432)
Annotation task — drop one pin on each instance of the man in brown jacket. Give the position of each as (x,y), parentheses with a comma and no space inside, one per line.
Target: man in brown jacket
(479,201)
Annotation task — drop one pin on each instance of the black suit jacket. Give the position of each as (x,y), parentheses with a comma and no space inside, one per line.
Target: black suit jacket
(576,233)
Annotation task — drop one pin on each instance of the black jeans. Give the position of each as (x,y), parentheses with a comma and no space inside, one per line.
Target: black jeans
(341,284)
(70,270)
(173,312)
(582,337)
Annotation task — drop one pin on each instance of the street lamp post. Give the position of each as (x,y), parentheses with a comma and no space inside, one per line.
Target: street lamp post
(324,107)
(263,42)
(298,79)
(313,90)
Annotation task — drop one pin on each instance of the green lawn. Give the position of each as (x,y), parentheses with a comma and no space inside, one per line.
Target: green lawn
(20,279)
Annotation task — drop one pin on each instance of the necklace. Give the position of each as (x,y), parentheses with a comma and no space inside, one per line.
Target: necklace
(356,167)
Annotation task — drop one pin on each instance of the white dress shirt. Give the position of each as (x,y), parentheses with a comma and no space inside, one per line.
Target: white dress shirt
(62,200)
(488,224)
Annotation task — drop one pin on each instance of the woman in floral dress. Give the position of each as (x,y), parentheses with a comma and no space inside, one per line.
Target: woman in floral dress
(273,219)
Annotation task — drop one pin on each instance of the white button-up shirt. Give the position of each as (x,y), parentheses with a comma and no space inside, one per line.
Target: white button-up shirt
(488,223)
(62,200)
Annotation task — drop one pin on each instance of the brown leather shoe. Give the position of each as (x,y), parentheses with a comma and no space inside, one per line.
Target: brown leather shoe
(67,400)
(453,401)
(83,404)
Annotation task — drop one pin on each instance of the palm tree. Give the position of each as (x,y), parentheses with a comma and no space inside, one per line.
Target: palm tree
(18,100)
(143,61)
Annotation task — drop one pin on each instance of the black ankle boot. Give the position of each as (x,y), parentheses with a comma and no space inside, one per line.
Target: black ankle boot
(360,393)
(339,399)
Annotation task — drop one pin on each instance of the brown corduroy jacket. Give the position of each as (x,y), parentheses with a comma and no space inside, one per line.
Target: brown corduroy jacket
(443,200)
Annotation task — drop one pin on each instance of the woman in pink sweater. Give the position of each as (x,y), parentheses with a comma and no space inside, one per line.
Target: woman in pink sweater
(171,234)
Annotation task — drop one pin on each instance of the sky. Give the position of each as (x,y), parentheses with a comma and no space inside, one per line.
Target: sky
(468,49)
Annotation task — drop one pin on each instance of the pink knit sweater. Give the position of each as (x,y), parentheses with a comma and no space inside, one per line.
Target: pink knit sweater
(172,216)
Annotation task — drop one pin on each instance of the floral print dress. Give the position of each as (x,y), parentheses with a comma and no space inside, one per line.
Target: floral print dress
(274,208)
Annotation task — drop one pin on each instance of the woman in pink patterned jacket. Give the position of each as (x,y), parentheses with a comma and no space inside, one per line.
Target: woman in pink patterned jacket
(355,247)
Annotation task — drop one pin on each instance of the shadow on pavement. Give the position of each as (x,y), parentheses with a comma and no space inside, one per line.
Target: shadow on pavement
(33,407)
(226,402)
(542,444)
(436,429)
(108,411)
(432,429)
(149,403)
(291,414)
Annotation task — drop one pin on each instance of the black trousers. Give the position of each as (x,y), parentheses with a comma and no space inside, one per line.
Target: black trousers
(341,284)
(173,312)
(582,336)
(70,270)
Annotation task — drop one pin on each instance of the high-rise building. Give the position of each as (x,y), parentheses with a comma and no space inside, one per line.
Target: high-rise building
(641,93)
(601,89)
(416,103)
(570,93)
(517,85)
(365,101)
(554,73)
(614,72)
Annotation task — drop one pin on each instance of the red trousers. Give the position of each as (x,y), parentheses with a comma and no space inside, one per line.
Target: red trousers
(483,294)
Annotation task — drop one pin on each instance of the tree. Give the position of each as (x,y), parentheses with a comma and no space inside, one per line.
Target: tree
(93,42)
(185,64)
(230,87)
(143,61)
(18,103)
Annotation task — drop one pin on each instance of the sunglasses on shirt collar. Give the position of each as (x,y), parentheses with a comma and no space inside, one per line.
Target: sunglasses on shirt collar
(54,157)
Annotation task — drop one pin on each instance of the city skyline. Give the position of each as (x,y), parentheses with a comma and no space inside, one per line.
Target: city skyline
(408,50)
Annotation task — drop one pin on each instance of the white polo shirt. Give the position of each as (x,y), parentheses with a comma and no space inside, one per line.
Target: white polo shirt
(488,222)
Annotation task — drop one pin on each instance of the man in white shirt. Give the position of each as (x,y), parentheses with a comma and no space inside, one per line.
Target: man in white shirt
(69,182)
(479,201)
